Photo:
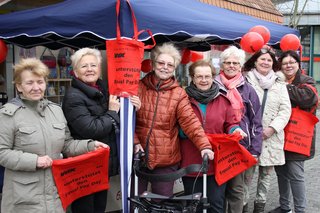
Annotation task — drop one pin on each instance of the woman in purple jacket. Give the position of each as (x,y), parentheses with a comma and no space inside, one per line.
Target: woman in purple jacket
(245,102)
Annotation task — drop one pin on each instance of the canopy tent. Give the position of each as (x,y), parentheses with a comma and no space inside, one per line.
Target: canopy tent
(81,23)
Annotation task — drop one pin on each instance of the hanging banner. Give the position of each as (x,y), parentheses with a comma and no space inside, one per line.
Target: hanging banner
(81,175)
(230,157)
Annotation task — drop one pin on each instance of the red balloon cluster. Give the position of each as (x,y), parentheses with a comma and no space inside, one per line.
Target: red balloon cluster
(146,65)
(289,42)
(196,56)
(255,39)
(3,51)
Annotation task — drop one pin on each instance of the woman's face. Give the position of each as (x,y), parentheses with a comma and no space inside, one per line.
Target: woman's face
(289,67)
(231,66)
(264,64)
(202,78)
(88,69)
(164,66)
(32,87)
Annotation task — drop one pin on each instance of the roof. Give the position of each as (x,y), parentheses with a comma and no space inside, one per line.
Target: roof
(263,9)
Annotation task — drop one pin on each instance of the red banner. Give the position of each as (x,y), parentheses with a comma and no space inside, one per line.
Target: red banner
(81,175)
(230,157)
(299,131)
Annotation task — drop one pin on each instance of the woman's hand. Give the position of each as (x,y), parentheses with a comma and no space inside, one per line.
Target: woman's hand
(209,152)
(114,103)
(44,162)
(138,148)
(241,132)
(135,100)
(98,144)
(268,132)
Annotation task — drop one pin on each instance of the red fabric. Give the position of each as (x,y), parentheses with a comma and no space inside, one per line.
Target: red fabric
(230,157)
(299,131)
(82,175)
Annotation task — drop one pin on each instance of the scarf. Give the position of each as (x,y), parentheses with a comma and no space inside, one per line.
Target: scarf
(203,97)
(233,94)
(265,81)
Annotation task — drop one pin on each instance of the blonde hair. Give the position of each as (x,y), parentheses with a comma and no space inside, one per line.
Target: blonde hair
(166,48)
(32,65)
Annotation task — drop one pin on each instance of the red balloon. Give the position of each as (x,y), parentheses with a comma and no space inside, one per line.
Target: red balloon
(185,56)
(251,42)
(146,65)
(3,51)
(263,31)
(196,56)
(289,42)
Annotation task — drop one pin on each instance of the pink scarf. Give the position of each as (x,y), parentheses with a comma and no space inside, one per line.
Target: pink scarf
(233,94)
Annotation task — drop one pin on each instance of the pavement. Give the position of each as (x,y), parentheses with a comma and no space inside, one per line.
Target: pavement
(312,179)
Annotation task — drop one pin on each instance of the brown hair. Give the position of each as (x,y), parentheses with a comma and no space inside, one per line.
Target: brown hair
(201,63)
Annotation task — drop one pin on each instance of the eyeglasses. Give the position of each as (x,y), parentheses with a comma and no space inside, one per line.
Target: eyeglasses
(267,50)
(200,77)
(163,64)
(289,63)
(231,62)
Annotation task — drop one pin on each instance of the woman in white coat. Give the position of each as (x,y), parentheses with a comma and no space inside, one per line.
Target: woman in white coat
(276,111)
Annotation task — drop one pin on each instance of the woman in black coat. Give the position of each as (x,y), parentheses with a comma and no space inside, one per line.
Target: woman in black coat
(92,113)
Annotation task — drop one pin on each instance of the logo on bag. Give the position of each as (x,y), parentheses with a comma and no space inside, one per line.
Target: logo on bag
(119,55)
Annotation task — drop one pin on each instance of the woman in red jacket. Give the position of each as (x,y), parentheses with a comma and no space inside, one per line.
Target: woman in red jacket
(164,108)
(217,116)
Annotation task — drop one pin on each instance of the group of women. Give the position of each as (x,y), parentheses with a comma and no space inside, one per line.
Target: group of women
(253,98)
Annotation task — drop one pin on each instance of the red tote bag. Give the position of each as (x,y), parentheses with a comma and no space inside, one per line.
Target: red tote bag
(300,129)
(124,59)
(81,175)
(230,157)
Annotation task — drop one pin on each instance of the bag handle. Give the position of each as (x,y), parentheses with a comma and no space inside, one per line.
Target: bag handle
(135,26)
(313,109)
(45,51)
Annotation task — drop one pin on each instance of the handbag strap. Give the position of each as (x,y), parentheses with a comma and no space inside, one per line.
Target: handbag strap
(45,49)
(135,26)
(264,99)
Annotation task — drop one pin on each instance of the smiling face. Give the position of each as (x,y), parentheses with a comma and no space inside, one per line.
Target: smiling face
(32,87)
(164,66)
(203,78)
(289,67)
(231,66)
(264,64)
(88,69)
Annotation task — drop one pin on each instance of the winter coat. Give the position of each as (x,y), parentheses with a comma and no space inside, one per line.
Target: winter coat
(304,98)
(30,129)
(164,107)
(218,119)
(251,121)
(276,114)
(86,110)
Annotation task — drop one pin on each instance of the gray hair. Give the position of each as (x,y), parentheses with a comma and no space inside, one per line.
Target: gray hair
(77,56)
(166,48)
(233,51)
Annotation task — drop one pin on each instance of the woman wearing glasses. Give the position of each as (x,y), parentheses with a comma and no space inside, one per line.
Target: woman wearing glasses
(246,104)
(217,116)
(165,107)
(291,174)
(276,111)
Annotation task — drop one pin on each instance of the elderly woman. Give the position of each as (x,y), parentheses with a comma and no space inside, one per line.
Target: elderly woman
(215,112)
(245,102)
(92,113)
(291,174)
(276,111)
(33,132)
(165,107)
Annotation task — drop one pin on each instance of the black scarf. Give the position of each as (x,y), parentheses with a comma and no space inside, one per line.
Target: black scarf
(203,97)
